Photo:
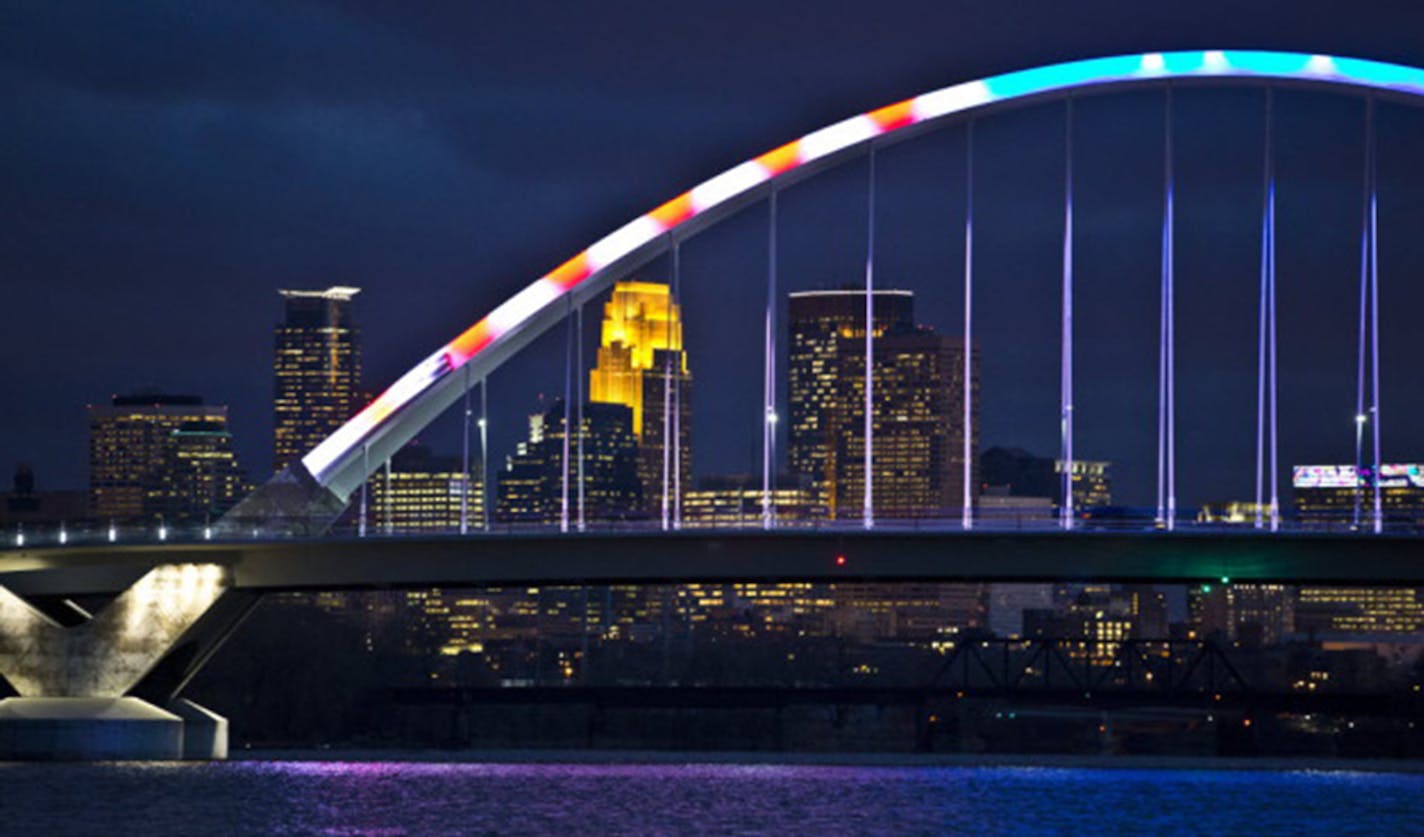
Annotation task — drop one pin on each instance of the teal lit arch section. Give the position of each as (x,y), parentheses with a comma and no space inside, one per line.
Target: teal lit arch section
(345,459)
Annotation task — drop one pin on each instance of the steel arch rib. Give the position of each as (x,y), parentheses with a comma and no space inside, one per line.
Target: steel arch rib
(425,391)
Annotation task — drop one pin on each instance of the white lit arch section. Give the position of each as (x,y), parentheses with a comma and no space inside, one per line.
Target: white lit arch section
(346,458)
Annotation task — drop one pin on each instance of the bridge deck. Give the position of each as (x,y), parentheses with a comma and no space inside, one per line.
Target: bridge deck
(703,556)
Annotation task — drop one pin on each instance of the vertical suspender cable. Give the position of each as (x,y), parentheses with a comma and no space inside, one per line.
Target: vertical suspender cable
(868,507)
(568,420)
(667,396)
(1263,309)
(486,494)
(365,469)
(768,419)
(465,458)
(1360,416)
(1275,357)
(681,360)
(390,524)
(1374,319)
(1166,384)
(1066,352)
(578,409)
(967,503)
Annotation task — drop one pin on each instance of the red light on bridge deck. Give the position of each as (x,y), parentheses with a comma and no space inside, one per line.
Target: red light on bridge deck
(840,560)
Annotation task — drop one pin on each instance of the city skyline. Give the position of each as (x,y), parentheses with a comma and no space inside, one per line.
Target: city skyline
(1291,475)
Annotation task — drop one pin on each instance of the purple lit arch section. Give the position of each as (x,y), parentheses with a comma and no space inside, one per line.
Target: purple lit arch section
(345,459)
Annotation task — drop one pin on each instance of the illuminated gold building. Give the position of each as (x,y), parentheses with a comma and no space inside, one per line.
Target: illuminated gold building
(640,352)
(317,368)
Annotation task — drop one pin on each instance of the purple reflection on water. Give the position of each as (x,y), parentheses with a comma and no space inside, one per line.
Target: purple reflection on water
(394,797)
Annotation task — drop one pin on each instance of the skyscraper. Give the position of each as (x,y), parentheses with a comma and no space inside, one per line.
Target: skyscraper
(917,418)
(318,370)
(531,485)
(1327,496)
(201,479)
(820,322)
(640,353)
(153,455)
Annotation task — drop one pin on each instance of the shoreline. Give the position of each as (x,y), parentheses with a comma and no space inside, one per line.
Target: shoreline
(887,760)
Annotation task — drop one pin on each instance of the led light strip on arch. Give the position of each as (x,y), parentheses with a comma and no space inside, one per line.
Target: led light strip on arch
(740,179)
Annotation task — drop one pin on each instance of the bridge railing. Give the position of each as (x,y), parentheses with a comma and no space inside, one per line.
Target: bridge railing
(89,533)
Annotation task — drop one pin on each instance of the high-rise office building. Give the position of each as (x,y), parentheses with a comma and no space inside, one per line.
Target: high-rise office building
(1326,495)
(1335,612)
(318,370)
(1259,614)
(642,365)
(202,479)
(153,455)
(819,322)
(917,418)
(425,493)
(531,485)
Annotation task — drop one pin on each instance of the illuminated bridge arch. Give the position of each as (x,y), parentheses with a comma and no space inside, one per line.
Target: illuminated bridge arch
(330,473)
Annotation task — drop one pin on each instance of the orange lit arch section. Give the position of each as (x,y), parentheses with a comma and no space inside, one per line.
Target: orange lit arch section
(343,460)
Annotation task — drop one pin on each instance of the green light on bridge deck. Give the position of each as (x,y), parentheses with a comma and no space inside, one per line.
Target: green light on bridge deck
(1226,579)
(1206,588)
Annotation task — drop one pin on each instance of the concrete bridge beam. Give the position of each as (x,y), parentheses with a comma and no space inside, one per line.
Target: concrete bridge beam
(75,682)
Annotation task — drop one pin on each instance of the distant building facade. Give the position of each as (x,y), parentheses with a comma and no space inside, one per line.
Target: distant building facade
(425,493)
(531,485)
(917,410)
(1328,494)
(1255,614)
(159,456)
(1325,495)
(1332,612)
(317,369)
(1014,472)
(25,504)
(736,501)
(1235,512)
(642,365)
(202,479)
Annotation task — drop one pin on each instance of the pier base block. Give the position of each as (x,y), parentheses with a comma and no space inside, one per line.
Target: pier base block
(106,729)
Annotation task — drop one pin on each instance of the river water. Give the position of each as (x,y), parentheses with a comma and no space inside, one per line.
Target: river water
(395,798)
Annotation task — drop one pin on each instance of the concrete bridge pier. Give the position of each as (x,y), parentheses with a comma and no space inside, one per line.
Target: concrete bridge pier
(104,686)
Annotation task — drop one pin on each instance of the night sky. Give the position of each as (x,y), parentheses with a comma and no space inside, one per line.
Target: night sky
(167,166)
